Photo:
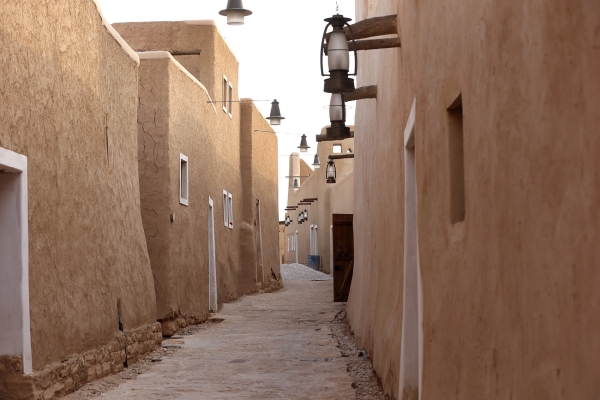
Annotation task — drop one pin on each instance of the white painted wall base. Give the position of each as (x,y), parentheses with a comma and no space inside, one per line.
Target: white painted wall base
(15,333)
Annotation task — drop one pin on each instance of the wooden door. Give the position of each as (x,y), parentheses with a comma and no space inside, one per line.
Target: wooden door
(343,255)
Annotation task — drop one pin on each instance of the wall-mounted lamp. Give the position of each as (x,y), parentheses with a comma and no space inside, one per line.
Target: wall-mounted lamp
(300,218)
(306,214)
(317,162)
(235,12)
(303,144)
(275,117)
(330,172)
(296,185)
(338,56)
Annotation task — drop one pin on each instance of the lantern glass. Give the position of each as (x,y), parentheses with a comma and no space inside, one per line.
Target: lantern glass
(336,107)
(275,121)
(330,172)
(235,18)
(338,56)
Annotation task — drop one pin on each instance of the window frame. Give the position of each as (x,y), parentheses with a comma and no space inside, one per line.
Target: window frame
(230,100)
(334,147)
(225,209)
(184,181)
(230,197)
(225,93)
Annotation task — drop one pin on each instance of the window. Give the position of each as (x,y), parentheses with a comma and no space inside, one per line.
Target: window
(183,180)
(225,209)
(227,97)
(225,93)
(337,149)
(457,167)
(230,203)
(230,101)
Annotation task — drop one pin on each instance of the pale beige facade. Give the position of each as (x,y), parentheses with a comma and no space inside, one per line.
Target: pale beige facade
(313,237)
(482,237)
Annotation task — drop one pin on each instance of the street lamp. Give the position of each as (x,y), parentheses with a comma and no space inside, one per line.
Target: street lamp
(338,56)
(275,117)
(337,115)
(330,172)
(235,12)
(317,162)
(303,144)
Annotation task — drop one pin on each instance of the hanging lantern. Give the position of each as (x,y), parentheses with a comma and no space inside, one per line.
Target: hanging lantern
(337,115)
(338,56)
(306,214)
(330,172)
(275,117)
(300,218)
(296,185)
(235,12)
(317,162)
(303,144)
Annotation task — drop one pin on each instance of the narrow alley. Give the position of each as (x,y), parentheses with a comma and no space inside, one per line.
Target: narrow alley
(269,346)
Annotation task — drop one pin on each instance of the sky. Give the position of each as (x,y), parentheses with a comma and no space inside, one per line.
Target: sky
(278,53)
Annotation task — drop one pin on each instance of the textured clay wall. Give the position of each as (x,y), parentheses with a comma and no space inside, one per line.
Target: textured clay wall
(258,153)
(176,117)
(68,101)
(509,301)
(197,45)
(319,212)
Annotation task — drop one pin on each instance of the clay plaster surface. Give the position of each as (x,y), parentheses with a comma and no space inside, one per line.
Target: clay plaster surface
(509,295)
(270,346)
(69,104)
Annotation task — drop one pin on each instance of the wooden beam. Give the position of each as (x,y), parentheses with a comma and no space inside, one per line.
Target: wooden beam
(365,92)
(377,26)
(340,156)
(186,53)
(372,44)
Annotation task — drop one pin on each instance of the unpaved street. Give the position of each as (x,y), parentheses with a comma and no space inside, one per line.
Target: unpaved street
(269,346)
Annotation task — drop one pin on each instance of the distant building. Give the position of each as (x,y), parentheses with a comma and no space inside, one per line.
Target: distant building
(314,236)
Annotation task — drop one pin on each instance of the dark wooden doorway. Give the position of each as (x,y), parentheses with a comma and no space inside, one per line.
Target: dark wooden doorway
(343,255)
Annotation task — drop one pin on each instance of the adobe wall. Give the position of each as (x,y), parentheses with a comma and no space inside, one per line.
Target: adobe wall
(319,212)
(258,154)
(509,294)
(208,57)
(176,116)
(71,108)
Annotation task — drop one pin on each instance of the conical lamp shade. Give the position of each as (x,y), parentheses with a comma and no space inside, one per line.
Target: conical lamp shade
(275,116)
(235,12)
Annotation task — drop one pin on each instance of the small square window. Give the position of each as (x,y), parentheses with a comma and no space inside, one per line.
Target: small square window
(225,93)
(230,101)
(183,180)
(225,209)
(230,211)
(337,149)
